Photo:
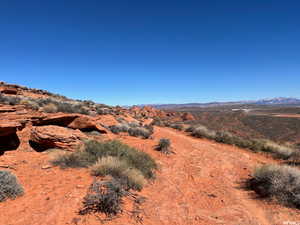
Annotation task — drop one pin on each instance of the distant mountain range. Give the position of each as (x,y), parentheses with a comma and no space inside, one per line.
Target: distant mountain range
(272,101)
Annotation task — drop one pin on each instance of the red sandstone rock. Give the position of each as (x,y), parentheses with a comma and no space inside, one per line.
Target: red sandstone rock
(56,137)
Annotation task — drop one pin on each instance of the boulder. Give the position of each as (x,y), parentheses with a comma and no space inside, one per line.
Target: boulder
(86,123)
(45,137)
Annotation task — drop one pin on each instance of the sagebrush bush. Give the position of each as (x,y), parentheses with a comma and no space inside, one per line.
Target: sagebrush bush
(104,197)
(122,127)
(139,132)
(130,178)
(279,151)
(202,132)
(281,183)
(164,146)
(9,186)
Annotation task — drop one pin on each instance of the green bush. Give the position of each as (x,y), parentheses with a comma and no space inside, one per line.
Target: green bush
(281,183)
(9,186)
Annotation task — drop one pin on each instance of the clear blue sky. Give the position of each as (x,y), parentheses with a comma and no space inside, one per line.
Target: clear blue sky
(132,52)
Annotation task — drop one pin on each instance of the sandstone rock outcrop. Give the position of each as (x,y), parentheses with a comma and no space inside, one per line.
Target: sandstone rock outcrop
(45,137)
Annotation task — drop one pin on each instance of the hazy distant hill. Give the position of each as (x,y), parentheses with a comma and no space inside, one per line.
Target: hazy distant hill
(273,101)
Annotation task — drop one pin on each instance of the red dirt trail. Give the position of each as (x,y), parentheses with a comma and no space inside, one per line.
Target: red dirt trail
(199,184)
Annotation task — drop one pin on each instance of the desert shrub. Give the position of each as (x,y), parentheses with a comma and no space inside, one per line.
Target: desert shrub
(281,183)
(164,146)
(130,178)
(96,150)
(102,111)
(9,186)
(10,100)
(71,160)
(29,103)
(158,122)
(122,127)
(50,108)
(203,132)
(134,158)
(277,150)
(176,126)
(139,132)
(190,128)
(104,197)
(134,124)
(256,145)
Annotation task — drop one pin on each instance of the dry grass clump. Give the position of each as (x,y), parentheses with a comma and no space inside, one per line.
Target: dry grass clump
(130,178)
(9,186)
(281,183)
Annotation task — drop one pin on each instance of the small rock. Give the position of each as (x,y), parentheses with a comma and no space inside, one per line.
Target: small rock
(46,167)
(79,186)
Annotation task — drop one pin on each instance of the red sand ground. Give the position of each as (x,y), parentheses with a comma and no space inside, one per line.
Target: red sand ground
(200,184)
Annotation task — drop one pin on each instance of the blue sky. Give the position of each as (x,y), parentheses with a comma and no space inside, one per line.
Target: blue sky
(133,52)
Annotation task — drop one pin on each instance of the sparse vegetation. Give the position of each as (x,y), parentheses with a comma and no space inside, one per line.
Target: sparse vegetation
(133,129)
(96,150)
(130,178)
(57,103)
(164,146)
(281,183)
(257,145)
(9,186)
(128,167)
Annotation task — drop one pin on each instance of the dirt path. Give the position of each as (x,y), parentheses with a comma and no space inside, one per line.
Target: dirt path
(200,184)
